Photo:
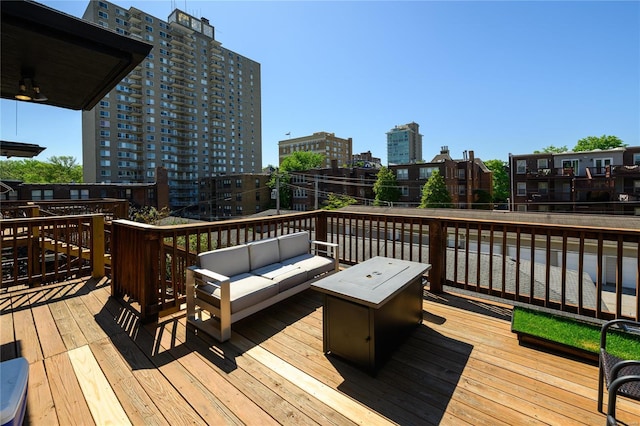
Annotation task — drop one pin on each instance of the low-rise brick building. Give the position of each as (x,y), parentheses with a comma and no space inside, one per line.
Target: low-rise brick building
(599,181)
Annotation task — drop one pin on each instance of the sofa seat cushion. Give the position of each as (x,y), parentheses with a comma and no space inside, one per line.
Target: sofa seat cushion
(228,261)
(246,290)
(292,245)
(314,265)
(263,253)
(287,276)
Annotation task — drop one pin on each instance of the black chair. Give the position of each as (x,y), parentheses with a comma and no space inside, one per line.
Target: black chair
(622,377)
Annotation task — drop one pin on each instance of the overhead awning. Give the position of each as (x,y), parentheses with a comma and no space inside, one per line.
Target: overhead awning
(75,63)
(19,149)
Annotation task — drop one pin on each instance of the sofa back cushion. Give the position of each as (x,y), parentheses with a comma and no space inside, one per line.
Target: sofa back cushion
(292,245)
(263,253)
(228,261)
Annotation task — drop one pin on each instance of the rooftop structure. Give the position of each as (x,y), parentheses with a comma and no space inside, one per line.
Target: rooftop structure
(599,181)
(192,107)
(326,144)
(404,144)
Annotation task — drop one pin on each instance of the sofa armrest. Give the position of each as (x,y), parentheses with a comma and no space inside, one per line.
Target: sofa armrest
(223,282)
(214,276)
(331,247)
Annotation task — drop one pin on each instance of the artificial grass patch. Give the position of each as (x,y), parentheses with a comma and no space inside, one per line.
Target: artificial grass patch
(572,332)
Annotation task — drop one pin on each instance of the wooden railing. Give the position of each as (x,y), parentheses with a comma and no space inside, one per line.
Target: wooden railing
(42,250)
(486,257)
(110,208)
(149,262)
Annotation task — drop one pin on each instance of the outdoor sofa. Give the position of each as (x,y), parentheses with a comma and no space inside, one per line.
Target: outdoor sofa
(234,282)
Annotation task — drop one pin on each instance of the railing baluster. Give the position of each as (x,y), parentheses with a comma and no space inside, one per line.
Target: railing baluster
(580,271)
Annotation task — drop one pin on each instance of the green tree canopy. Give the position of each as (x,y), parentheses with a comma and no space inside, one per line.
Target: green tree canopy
(298,161)
(337,201)
(501,185)
(552,149)
(435,193)
(63,169)
(386,187)
(602,142)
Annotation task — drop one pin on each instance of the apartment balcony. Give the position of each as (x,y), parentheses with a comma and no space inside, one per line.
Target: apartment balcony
(101,346)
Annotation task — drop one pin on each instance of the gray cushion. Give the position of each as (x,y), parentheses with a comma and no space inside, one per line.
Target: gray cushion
(246,290)
(314,265)
(293,245)
(228,261)
(263,252)
(286,276)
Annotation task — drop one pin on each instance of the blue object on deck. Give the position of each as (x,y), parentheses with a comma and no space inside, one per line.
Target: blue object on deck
(14,377)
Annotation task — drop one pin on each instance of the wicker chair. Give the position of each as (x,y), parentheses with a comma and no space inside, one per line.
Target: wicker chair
(622,377)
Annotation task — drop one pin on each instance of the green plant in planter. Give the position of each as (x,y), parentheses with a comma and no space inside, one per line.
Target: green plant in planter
(573,332)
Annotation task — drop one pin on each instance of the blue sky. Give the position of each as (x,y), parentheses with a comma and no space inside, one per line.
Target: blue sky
(493,77)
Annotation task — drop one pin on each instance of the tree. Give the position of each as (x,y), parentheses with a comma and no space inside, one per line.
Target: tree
(337,201)
(594,142)
(298,161)
(435,194)
(482,200)
(385,187)
(501,183)
(61,169)
(552,149)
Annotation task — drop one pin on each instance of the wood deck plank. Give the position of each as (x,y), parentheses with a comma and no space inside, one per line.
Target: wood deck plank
(40,407)
(8,349)
(71,406)
(100,397)
(27,341)
(70,332)
(458,367)
(50,339)
(140,408)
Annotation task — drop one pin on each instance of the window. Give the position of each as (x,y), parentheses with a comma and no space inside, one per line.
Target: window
(36,194)
(601,164)
(570,166)
(48,194)
(636,186)
(636,159)
(426,172)
(404,191)
(521,167)
(522,188)
(402,174)
(543,163)
(543,188)
(74,194)
(461,173)
(238,183)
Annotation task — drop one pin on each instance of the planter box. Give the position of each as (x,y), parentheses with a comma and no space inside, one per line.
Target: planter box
(526,339)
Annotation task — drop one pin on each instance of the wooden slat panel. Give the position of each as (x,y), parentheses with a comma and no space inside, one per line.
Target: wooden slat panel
(50,339)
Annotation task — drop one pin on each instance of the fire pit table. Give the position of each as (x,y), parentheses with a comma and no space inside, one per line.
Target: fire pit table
(370,308)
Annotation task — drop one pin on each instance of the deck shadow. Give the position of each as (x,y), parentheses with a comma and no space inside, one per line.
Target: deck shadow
(415,384)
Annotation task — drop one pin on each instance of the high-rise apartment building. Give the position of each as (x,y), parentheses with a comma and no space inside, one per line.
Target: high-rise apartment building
(404,144)
(327,144)
(192,107)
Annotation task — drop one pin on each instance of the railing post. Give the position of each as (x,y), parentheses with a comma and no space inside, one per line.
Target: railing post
(97,246)
(437,253)
(321,225)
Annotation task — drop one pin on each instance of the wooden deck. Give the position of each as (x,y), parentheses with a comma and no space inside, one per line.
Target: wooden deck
(92,362)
